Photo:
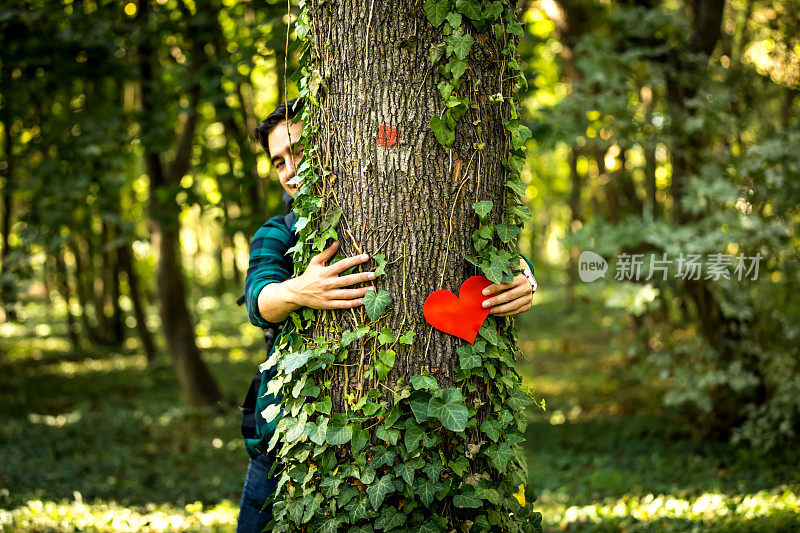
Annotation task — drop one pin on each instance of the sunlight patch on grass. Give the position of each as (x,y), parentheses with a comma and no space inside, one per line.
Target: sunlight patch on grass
(710,507)
(109,516)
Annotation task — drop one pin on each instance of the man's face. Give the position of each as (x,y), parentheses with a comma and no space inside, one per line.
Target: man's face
(286,153)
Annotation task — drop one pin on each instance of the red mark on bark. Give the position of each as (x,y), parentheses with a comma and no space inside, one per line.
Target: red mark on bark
(387,135)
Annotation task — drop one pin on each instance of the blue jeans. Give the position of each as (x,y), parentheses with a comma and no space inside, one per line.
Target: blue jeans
(258,486)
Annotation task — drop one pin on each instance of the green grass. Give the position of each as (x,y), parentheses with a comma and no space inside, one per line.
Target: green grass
(96,441)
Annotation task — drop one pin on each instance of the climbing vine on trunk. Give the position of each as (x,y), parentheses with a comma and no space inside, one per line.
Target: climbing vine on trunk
(413,153)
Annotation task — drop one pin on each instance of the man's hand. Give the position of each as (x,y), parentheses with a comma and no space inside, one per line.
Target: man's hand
(510,298)
(321,286)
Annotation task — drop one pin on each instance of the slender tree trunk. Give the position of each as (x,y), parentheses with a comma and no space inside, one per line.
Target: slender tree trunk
(196,382)
(139,311)
(7,288)
(577,220)
(62,280)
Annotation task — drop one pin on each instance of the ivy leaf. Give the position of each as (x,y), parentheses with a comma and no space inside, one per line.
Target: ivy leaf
(492,429)
(433,470)
(489,333)
(331,525)
(467,359)
(359,439)
(449,408)
(470,8)
(426,490)
(516,185)
(316,432)
(358,508)
(338,431)
(295,360)
(383,456)
(492,11)
(390,518)
(387,357)
(349,336)
(271,412)
(405,471)
(437,10)
(454,19)
(378,491)
(407,338)
(518,400)
(380,270)
(482,208)
(500,456)
(375,303)
(412,436)
(429,527)
(466,501)
(459,466)
(461,45)
(443,134)
(458,67)
(506,233)
(323,405)
(389,435)
(386,336)
(520,211)
(423,382)
(495,270)
(331,218)
(436,52)
(294,428)
(419,405)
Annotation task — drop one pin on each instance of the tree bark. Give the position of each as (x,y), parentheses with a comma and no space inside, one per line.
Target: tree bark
(403,194)
(7,289)
(139,312)
(196,382)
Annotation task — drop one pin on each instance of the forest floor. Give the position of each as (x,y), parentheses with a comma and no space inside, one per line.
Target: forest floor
(97,441)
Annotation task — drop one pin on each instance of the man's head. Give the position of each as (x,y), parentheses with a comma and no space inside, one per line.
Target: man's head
(280,141)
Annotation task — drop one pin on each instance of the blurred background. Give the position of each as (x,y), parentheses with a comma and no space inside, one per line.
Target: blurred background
(666,134)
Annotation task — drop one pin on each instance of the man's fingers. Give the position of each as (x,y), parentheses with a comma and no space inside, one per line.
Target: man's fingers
(326,255)
(348,262)
(507,296)
(348,294)
(351,279)
(497,287)
(342,304)
(515,307)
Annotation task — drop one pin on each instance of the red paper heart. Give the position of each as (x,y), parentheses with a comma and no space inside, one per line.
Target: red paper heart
(460,315)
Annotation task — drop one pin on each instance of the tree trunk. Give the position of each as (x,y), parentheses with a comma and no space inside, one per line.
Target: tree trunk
(7,288)
(410,199)
(389,188)
(196,382)
(62,281)
(139,311)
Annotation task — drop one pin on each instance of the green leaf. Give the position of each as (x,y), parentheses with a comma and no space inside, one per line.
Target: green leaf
(495,270)
(443,134)
(470,8)
(436,52)
(382,456)
(492,11)
(423,382)
(389,435)
(405,471)
(378,490)
(316,432)
(294,428)
(338,431)
(390,519)
(458,67)
(445,89)
(359,439)
(433,469)
(295,360)
(408,338)
(506,233)
(271,412)
(466,501)
(492,429)
(467,359)
(426,490)
(358,508)
(380,270)
(500,455)
(375,303)
(412,435)
(518,400)
(323,405)
(387,357)
(520,211)
(454,19)
(461,45)
(482,208)
(419,405)
(449,408)
(386,336)
(489,333)
(437,10)
(349,336)
(459,466)
(331,218)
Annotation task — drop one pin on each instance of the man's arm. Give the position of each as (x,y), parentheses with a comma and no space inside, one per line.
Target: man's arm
(319,287)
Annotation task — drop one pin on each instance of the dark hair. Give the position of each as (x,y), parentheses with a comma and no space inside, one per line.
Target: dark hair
(287,110)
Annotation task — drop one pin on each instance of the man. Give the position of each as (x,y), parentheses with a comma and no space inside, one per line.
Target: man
(271,294)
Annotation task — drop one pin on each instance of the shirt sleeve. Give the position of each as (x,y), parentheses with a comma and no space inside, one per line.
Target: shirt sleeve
(267,264)
(530,265)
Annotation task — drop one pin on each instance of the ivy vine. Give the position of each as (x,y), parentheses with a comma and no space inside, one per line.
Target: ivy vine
(419,458)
